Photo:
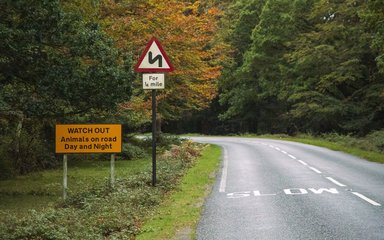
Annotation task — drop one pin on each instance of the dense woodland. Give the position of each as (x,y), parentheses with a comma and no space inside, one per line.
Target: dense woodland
(259,66)
(305,66)
(301,66)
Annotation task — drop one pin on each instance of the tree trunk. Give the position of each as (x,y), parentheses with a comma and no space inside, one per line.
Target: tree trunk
(158,124)
(19,128)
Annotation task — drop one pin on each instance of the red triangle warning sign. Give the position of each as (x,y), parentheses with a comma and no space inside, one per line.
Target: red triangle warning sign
(154,59)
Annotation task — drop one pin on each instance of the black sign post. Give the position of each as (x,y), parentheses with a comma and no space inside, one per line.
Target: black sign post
(154,137)
(153,61)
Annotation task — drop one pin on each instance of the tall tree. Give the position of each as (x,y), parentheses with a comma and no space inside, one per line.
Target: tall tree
(336,71)
(240,20)
(311,65)
(186,30)
(54,66)
(373,17)
(259,95)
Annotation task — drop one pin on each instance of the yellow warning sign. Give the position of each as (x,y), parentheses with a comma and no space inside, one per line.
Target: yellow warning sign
(88,138)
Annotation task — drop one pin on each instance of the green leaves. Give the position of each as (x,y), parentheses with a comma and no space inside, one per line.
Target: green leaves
(55,66)
(318,63)
(63,62)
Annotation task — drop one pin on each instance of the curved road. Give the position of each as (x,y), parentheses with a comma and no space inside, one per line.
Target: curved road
(269,189)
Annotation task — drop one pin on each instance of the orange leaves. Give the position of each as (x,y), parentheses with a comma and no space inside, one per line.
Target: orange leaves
(186,31)
(213,11)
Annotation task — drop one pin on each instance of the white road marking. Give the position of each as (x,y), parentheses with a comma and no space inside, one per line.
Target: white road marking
(291,156)
(315,170)
(321,190)
(258,194)
(278,149)
(239,194)
(302,162)
(284,152)
(336,182)
(287,191)
(366,199)
(295,191)
(223,182)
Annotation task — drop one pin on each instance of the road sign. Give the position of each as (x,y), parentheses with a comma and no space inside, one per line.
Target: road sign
(88,138)
(154,59)
(153,81)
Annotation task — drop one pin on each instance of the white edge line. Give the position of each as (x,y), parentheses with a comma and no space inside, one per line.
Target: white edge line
(336,182)
(223,181)
(291,156)
(366,199)
(315,170)
(302,162)
(284,152)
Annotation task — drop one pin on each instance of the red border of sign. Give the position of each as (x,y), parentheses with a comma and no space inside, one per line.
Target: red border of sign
(170,69)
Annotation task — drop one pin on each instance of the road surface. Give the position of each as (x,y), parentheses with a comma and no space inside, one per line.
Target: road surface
(269,189)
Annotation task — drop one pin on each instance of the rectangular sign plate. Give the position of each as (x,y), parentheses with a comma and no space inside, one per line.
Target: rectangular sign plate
(88,138)
(153,81)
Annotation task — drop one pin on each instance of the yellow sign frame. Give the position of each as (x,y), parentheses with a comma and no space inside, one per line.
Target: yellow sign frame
(88,138)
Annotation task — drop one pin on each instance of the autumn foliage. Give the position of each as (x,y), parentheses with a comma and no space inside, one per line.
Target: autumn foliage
(186,31)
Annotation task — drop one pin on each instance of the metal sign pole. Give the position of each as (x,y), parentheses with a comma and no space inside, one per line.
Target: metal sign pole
(153,137)
(153,60)
(112,179)
(65,179)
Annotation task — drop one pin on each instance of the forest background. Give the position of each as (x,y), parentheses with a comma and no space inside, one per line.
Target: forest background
(242,66)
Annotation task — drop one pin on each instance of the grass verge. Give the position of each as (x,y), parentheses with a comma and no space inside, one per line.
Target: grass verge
(177,217)
(42,189)
(370,147)
(333,145)
(93,209)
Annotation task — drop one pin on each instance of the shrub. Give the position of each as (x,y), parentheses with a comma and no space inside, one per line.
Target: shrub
(184,152)
(6,168)
(163,140)
(372,142)
(130,151)
(377,139)
(99,212)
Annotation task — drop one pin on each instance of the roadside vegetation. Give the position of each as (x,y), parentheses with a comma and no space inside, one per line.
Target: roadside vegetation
(297,66)
(258,66)
(370,147)
(93,210)
(71,61)
(178,215)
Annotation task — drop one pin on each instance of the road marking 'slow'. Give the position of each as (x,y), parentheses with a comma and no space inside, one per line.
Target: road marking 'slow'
(315,170)
(366,199)
(287,191)
(335,182)
(223,181)
(302,162)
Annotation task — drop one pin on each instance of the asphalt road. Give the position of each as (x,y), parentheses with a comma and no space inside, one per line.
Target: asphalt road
(268,189)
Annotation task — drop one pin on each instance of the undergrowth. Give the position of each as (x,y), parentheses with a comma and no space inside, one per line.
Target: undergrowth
(373,142)
(99,212)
